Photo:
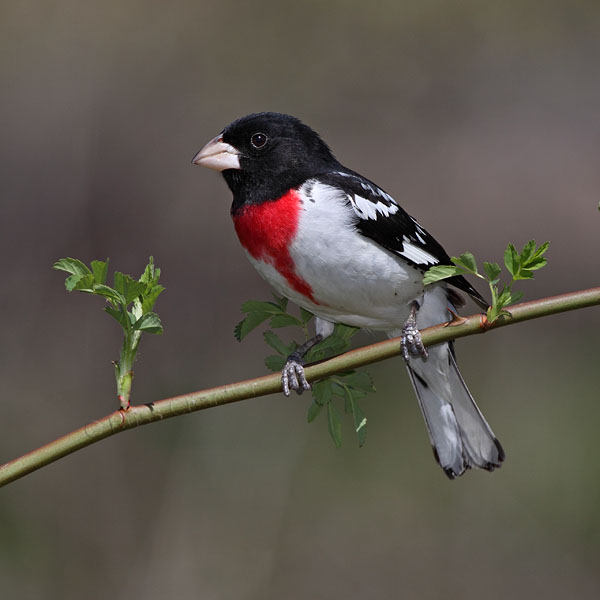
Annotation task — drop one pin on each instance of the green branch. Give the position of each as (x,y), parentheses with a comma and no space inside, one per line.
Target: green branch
(270,384)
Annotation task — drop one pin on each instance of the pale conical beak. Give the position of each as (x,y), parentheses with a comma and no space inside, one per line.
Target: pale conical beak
(218,155)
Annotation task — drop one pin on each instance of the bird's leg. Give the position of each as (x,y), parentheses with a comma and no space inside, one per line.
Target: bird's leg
(411,338)
(292,376)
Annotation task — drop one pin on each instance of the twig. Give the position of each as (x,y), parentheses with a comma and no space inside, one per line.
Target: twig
(270,384)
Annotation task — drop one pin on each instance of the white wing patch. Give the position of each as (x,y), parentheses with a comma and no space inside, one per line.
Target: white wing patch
(416,254)
(367,209)
(371,208)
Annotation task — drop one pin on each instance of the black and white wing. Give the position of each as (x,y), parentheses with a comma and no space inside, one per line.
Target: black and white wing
(383,220)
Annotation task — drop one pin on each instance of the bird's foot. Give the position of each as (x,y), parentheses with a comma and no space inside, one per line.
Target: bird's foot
(292,376)
(411,342)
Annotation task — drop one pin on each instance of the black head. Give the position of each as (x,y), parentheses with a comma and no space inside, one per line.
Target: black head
(263,155)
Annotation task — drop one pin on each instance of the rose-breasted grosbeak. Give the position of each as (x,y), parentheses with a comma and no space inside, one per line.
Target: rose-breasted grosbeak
(338,245)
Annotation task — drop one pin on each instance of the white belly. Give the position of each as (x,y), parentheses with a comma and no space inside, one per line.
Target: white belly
(354,280)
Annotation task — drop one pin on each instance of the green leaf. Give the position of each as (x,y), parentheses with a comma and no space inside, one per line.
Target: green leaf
(522,274)
(330,346)
(128,287)
(284,320)
(82,284)
(515,297)
(107,292)
(494,313)
(527,252)
(358,380)
(337,389)
(122,319)
(149,297)
(541,250)
(512,259)
(281,302)
(261,307)
(439,272)
(305,315)
(336,343)
(100,270)
(252,321)
(529,260)
(77,270)
(322,392)
(504,298)
(344,332)
(150,322)
(71,265)
(313,411)
(360,421)
(150,274)
(467,261)
(492,270)
(533,264)
(275,362)
(334,425)
(276,343)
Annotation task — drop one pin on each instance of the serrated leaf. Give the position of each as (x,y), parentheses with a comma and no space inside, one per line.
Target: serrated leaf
(337,389)
(527,251)
(493,314)
(82,284)
(313,411)
(150,322)
(511,259)
(359,380)
(276,343)
(515,297)
(100,270)
(119,282)
(305,315)
(110,294)
(344,332)
(150,274)
(360,421)
(334,425)
(492,270)
(467,261)
(330,346)
(128,287)
(77,271)
(122,319)
(149,297)
(284,320)
(251,306)
(322,392)
(275,362)
(282,301)
(252,321)
(440,272)
(541,250)
(71,265)
(535,263)
(523,274)
(134,290)
(504,297)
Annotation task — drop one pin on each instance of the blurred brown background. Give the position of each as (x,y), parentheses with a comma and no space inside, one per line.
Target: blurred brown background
(480,117)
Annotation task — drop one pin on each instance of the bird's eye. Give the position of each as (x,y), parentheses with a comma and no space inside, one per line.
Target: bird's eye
(258,140)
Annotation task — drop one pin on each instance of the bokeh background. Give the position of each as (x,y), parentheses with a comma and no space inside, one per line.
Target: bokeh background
(480,117)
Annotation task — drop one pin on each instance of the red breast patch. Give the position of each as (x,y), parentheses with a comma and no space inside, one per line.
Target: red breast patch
(266,230)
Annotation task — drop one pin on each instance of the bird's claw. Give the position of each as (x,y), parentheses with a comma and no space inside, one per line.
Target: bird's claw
(411,342)
(293,377)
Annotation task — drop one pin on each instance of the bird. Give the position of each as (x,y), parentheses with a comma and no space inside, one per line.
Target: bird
(338,245)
